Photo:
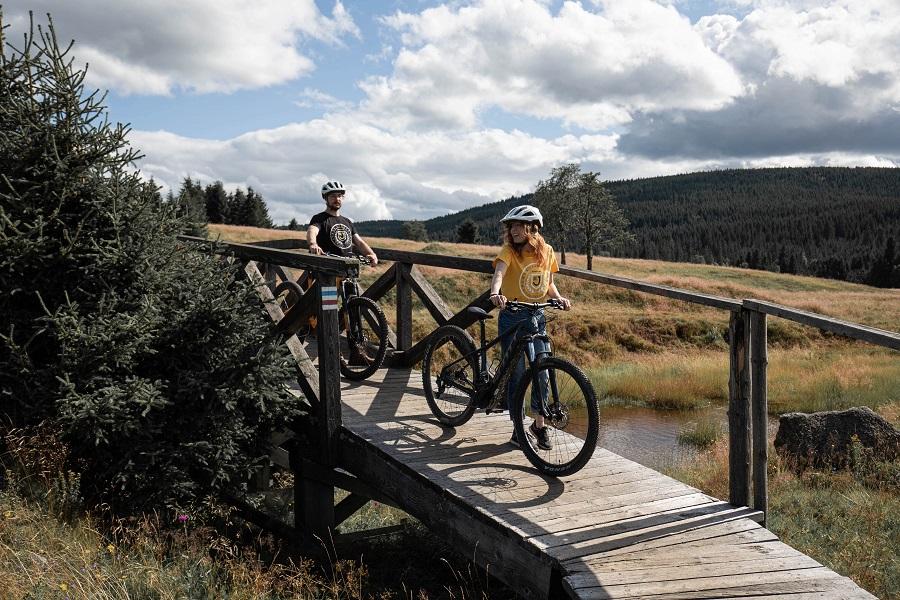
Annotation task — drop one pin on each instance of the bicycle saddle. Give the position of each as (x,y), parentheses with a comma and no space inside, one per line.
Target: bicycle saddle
(480,312)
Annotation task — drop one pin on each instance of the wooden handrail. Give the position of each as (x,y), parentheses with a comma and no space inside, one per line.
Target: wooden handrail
(652,288)
(341,267)
(873,335)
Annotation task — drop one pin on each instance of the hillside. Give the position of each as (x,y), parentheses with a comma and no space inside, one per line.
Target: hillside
(824,221)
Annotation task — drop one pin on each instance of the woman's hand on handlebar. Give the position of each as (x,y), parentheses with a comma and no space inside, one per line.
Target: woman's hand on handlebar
(498,300)
(563,303)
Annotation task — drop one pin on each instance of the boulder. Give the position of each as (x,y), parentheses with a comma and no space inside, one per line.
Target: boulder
(823,439)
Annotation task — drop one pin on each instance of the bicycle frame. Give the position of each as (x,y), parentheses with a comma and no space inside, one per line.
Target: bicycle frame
(486,385)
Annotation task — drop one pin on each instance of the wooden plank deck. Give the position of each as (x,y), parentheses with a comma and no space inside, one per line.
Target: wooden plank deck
(616,529)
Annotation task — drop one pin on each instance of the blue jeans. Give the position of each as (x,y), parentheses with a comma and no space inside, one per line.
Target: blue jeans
(531,322)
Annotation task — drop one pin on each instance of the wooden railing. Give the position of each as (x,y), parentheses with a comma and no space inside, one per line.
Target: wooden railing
(748,355)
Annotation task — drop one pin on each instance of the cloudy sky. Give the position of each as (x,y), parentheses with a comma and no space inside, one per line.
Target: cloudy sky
(423,108)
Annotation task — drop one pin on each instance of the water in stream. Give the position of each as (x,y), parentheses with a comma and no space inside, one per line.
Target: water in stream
(649,436)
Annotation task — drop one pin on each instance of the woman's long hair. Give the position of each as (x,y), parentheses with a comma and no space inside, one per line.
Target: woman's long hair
(534,243)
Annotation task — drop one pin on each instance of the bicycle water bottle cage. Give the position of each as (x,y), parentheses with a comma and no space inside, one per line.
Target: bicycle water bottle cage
(480,313)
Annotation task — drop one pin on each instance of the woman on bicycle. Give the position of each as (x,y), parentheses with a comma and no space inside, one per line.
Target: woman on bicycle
(523,271)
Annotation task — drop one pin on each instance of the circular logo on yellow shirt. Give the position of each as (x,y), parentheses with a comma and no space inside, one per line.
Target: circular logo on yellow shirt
(533,282)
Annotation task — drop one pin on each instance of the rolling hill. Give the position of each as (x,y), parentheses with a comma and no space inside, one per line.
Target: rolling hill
(833,222)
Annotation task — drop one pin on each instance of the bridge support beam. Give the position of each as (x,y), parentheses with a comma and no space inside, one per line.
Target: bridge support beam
(739,449)
(314,499)
(760,408)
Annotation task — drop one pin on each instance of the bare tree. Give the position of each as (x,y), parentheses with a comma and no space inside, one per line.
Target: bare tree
(578,208)
(597,219)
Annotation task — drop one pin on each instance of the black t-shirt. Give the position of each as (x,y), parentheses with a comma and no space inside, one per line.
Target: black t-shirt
(335,233)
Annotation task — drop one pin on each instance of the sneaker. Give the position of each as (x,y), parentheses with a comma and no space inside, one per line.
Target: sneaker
(514,440)
(541,435)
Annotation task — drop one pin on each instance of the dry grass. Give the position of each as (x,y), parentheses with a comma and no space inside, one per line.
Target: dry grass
(799,379)
(667,380)
(42,556)
(853,302)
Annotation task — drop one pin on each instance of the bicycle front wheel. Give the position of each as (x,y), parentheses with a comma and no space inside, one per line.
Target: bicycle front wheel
(363,341)
(449,372)
(566,399)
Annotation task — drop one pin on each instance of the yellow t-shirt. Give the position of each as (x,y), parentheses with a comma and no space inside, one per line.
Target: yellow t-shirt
(525,280)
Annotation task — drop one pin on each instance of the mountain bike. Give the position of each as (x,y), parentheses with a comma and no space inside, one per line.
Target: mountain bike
(363,328)
(458,381)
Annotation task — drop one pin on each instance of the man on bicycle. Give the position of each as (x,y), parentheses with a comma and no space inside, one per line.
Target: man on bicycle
(329,232)
(332,233)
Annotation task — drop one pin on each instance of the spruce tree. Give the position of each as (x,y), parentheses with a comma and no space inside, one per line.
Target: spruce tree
(216,203)
(467,232)
(152,360)
(258,213)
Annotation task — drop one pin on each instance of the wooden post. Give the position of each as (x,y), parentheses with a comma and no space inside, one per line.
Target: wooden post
(760,410)
(404,307)
(314,500)
(739,410)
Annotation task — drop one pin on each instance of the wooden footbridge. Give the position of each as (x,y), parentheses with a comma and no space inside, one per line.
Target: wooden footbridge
(615,529)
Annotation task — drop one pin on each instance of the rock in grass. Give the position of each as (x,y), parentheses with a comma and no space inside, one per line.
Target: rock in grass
(824,439)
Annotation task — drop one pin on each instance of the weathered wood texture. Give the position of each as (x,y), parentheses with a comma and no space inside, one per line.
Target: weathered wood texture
(404,306)
(309,380)
(759,410)
(616,529)
(651,288)
(872,335)
(739,438)
(342,267)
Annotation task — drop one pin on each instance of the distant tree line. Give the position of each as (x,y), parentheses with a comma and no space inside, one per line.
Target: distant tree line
(212,204)
(833,222)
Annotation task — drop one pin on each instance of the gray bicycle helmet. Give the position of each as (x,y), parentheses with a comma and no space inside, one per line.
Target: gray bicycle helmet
(332,186)
(527,213)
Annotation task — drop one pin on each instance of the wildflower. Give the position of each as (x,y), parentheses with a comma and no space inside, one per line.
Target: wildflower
(182,518)
(8,514)
(64,587)
(111,548)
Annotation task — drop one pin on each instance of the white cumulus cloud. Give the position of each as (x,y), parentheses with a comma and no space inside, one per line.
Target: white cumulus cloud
(587,67)
(202,46)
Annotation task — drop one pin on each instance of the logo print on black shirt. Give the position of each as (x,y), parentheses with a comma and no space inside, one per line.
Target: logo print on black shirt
(341,236)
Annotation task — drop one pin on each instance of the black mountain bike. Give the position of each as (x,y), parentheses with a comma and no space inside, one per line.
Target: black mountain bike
(363,327)
(363,330)
(458,381)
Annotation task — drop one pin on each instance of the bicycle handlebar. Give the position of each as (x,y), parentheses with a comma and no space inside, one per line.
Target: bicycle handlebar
(363,260)
(515,305)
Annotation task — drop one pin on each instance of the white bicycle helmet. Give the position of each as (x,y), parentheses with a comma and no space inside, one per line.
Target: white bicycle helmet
(332,186)
(527,213)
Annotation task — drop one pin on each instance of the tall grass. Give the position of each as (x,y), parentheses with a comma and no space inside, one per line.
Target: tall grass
(42,556)
(816,380)
(666,380)
(805,380)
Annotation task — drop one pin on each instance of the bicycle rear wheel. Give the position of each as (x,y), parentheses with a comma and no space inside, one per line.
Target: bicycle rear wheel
(363,342)
(571,416)
(449,372)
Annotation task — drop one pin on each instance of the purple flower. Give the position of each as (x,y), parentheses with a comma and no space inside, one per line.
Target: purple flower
(182,518)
